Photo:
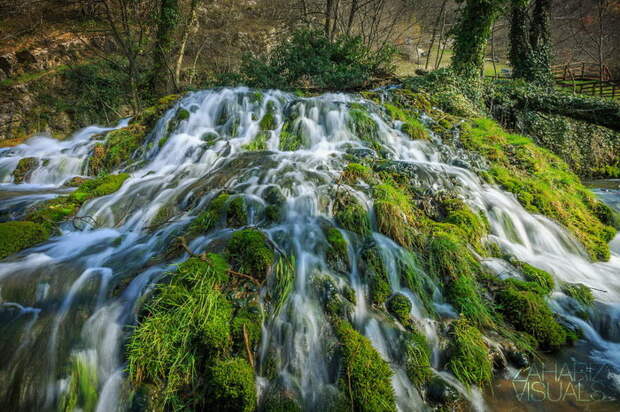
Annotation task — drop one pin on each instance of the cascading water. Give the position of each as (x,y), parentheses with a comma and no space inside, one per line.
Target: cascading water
(69,300)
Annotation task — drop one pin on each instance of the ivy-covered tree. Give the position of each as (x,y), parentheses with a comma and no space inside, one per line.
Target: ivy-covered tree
(162,66)
(530,49)
(471,34)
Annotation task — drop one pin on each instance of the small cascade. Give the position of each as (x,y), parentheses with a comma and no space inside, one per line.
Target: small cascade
(66,305)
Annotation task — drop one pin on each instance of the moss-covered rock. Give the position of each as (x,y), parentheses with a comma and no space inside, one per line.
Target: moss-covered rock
(395,217)
(469,360)
(528,312)
(400,307)
(15,236)
(337,253)
(538,276)
(373,270)
(24,169)
(351,215)
(251,253)
(365,376)
(117,150)
(230,386)
(268,122)
(291,137)
(237,212)
(208,220)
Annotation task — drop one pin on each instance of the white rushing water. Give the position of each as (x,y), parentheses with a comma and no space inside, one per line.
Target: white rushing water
(70,299)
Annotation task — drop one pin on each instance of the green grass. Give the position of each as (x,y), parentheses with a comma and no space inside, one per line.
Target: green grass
(470,361)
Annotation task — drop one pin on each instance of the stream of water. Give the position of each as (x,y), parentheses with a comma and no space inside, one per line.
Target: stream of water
(71,298)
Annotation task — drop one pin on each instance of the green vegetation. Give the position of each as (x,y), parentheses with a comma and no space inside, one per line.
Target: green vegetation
(311,57)
(581,293)
(251,253)
(539,277)
(355,171)
(15,236)
(187,334)
(417,358)
(284,282)
(400,306)
(101,186)
(350,215)
(259,143)
(365,376)
(338,248)
(375,274)
(528,312)
(411,124)
(81,392)
(207,220)
(291,137)
(541,182)
(237,213)
(268,122)
(394,213)
(24,169)
(231,386)
(470,360)
(117,150)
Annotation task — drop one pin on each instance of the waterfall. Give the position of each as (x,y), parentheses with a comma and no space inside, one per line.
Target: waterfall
(71,299)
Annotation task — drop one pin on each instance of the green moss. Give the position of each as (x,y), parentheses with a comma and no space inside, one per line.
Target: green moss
(237,213)
(332,300)
(355,172)
(417,355)
(16,236)
(101,186)
(541,278)
(24,169)
(365,377)
(350,215)
(400,306)
(188,323)
(469,360)
(451,261)
(280,401)
(251,253)
(268,122)
(247,322)
(259,143)
(117,150)
(374,273)
(81,392)
(291,138)
(541,182)
(182,114)
(363,126)
(528,312)
(207,220)
(411,124)
(394,213)
(231,386)
(338,250)
(580,292)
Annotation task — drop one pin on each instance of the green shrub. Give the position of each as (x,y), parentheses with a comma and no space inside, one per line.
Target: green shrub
(310,57)
(16,236)
(365,377)
(469,360)
(251,253)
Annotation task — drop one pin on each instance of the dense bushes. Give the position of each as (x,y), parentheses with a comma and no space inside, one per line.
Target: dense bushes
(310,59)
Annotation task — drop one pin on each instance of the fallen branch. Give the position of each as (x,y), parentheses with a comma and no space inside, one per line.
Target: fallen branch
(246,342)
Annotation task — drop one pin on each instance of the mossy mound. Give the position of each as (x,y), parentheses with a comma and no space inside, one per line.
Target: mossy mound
(231,386)
(117,150)
(16,236)
(351,215)
(189,347)
(528,312)
(411,124)
(251,253)
(541,182)
(417,355)
(337,252)
(581,293)
(470,361)
(400,307)
(394,213)
(365,376)
(375,275)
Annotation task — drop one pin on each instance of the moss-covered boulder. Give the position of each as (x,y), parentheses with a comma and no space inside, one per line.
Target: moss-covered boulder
(230,386)
(251,253)
(15,236)
(400,307)
(24,169)
(469,360)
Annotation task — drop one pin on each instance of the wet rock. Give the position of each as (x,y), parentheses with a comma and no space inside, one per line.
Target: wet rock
(76,181)
(518,359)
(362,153)
(439,392)
(273,196)
(24,169)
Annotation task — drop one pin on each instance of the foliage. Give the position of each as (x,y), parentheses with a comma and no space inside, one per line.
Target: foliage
(350,215)
(208,219)
(417,358)
(101,186)
(365,377)
(375,274)
(469,361)
(338,248)
(310,58)
(15,236)
(538,276)
(400,306)
(284,282)
(394,213)
(237,214)
(81,392)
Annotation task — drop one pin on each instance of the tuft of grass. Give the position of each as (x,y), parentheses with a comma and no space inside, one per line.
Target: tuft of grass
(394,213)
(400,307)
(207,220)
(365,377)
(259,143)
(338,248)
(470,361)
(350,215)
(284,282)
(81,392)
(580,292)
(237,213)
(417,353)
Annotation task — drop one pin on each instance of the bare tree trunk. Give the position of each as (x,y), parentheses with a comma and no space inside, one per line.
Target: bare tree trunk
(186,31)
(329,5)
(352,12)
(433,37)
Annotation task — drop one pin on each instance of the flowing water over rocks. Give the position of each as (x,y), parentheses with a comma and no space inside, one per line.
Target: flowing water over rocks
(68,303)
